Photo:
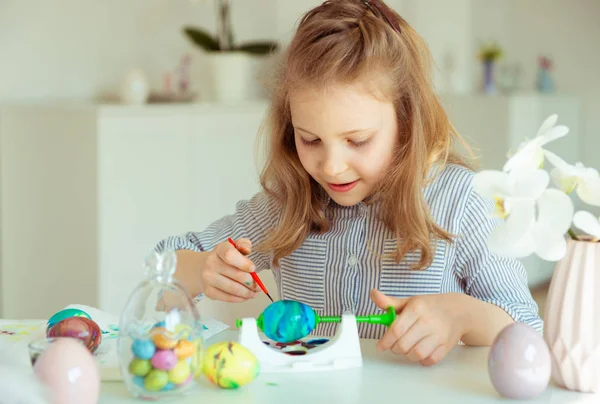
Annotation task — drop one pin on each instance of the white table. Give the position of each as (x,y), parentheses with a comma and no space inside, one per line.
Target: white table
(462,377)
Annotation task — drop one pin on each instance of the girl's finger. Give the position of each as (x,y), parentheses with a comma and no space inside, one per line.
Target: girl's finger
(241,277)
(403,322)
(436,356)
(232,287)
(423,348)
(231,256)
(407,342)
(244,245)
(217,294)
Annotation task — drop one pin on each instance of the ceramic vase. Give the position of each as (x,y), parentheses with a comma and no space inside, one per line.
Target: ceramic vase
(489,84)
(572,318)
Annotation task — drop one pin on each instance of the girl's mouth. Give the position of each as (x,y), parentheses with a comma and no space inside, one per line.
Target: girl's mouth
(343,187)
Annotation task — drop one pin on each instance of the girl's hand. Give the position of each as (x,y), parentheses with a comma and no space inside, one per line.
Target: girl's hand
(426,328)
(225,274)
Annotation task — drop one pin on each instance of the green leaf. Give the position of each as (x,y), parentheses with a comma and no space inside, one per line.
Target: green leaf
(258,48)
(201,38)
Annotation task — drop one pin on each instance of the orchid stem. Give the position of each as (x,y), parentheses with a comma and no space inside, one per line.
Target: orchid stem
(573,235)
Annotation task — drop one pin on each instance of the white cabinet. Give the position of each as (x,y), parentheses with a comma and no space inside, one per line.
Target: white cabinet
(87,191)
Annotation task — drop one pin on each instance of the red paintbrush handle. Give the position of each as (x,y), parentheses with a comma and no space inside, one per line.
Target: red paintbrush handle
(253,274)
(257,280)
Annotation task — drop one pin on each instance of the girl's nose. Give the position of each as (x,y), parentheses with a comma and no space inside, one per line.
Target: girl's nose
(334,164)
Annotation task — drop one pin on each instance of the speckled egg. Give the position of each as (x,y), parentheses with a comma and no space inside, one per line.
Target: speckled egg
(519,362)
(78,327)
(230,365)
(66,313)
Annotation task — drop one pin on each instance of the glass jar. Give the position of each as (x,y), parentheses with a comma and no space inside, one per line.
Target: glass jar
(160,345)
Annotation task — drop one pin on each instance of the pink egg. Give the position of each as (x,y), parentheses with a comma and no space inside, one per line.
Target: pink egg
(70,372)
(164,359)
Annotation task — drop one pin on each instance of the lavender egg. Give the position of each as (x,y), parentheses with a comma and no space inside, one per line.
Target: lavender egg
(519,362)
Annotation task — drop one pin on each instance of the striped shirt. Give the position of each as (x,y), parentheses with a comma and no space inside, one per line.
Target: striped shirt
(334,272)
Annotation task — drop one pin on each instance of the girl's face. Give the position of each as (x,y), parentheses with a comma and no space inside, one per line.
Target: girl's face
(345,138)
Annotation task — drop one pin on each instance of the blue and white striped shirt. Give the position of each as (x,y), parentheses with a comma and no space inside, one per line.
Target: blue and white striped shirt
(334,272)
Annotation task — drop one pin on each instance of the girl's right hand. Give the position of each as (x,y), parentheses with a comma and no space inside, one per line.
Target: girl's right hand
(225,274)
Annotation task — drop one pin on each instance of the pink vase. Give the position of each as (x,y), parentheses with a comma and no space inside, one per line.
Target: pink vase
(572,318)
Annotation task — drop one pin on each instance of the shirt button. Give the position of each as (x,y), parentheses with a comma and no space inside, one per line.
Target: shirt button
(352,260)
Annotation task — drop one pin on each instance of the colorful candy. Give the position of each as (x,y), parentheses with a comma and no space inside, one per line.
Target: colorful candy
(77,327)
(162,362)
(143,348)
(230,365)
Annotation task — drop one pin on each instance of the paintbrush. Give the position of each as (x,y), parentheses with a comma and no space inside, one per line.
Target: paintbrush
(254,275)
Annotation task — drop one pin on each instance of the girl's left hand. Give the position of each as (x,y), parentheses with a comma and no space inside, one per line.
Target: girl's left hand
(426,328)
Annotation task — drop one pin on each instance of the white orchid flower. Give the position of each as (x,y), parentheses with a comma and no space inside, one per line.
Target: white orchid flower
(585,181)
(530,154)
(536,218)
(588,223)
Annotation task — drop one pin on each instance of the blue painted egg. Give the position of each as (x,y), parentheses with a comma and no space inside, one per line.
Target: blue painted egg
(287,321)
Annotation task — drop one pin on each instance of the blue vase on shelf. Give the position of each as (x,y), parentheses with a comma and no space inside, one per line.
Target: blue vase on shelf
(544,81)
(489,85)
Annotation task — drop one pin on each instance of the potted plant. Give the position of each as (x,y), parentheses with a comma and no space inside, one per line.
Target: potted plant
(535,220)
(489,54)
(232,67)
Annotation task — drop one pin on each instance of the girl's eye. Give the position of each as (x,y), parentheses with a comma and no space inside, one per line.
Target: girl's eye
(359,143)
(310,142)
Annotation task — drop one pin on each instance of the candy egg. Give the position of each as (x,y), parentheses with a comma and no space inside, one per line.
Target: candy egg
(66,313)
(164,360)
(156,380)
(140,367)
(230,365)
(180,372)
(184,349)
(519,362)
(78,327)
(163,339)
(143,348)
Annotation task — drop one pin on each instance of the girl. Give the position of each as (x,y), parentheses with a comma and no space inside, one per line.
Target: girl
(364,203)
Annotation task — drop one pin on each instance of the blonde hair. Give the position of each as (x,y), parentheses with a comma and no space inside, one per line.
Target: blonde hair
(341,42)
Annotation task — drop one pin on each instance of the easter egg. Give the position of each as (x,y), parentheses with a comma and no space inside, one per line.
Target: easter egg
(183,331)
(66,313)
(287,321)
(184,349)
(156,380)
(164,360)
(140,367)
(143,348)
(138,381)
(163,339)
(69,371)
(180,372)
(78,327)
(519,362)
(230,365)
